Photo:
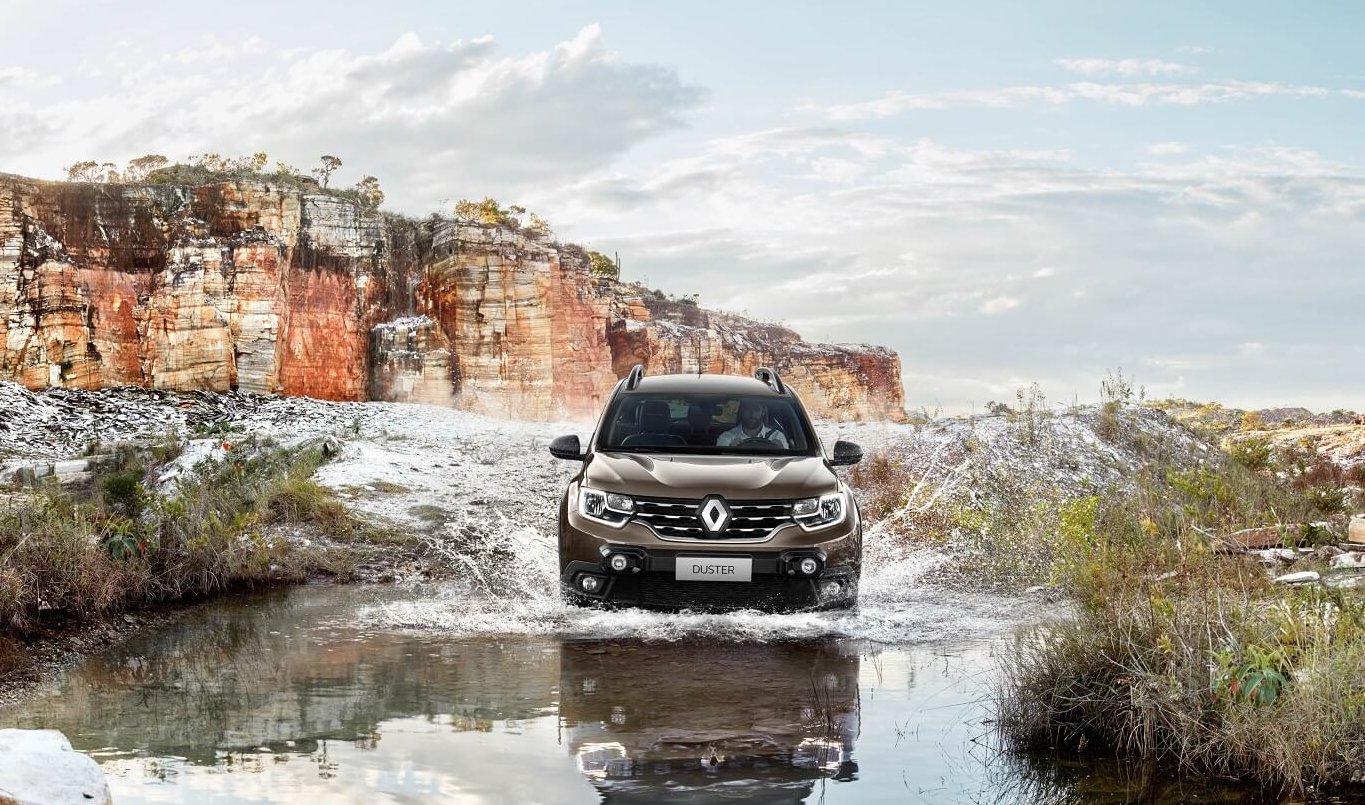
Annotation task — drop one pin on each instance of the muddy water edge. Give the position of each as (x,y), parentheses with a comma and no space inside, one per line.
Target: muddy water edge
(326,694)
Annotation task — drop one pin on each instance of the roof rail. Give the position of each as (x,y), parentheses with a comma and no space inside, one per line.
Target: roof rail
(633,379)
(769,376)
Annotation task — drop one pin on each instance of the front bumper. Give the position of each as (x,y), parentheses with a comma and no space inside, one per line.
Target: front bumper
(650,582)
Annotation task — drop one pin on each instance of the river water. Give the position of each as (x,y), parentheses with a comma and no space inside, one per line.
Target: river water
(465,693)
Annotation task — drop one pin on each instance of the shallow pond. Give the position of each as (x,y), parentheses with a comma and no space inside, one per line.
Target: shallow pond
(321,694)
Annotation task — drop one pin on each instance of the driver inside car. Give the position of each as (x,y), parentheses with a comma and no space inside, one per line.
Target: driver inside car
(753,418)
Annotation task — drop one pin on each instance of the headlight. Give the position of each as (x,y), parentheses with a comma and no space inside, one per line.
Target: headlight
(605,507)
(821,512)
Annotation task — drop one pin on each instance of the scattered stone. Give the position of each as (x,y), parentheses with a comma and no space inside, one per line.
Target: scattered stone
(1325,552)
(1276,555)
(38,767)
(1301,577)
(1356,531)
(1348,561)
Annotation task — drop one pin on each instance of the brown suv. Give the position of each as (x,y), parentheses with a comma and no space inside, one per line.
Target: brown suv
(708,492)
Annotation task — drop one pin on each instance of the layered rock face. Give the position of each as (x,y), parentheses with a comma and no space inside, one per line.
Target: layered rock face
(267,289)
(230,286)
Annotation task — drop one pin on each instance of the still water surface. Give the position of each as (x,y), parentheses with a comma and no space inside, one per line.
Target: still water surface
(313,695)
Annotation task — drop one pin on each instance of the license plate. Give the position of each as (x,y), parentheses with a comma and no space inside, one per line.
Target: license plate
(709,568)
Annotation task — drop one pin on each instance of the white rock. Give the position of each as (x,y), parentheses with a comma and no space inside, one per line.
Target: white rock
(1348,561)
(1273,555)
(1302,577)
(1356,531)
(38,767)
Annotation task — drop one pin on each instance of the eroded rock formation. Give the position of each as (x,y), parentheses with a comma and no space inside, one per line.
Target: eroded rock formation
(267,289)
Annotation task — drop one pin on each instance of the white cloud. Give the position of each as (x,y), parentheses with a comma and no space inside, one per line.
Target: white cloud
(1124,67)
(432,121)
(998,304)
(1126,94)
(1167,149)
(1013,262)
(15,77)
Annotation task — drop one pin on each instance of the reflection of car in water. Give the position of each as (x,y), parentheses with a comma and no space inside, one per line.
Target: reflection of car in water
(702,723)
(708,492)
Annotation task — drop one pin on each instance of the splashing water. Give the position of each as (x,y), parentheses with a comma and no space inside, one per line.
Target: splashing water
(509,584)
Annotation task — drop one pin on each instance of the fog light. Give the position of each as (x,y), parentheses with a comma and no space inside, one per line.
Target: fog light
(589,583)
(808,566)
(618,562)
(831,589)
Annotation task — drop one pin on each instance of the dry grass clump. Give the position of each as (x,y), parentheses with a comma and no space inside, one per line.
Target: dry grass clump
(1195,661)
(1181,656)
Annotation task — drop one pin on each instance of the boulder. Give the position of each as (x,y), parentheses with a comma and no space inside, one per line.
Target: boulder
(1302,577)
(1356,531)
(39,767)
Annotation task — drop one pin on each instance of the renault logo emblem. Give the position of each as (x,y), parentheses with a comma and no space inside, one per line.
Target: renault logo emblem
(714,514)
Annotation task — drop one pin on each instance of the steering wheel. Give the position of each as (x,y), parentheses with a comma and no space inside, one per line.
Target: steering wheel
(754,441)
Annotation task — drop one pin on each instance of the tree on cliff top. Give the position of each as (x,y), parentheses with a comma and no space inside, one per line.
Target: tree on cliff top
(92,171)
(490,212)
(138,169)
(603,266)
(367,190)
(329,166)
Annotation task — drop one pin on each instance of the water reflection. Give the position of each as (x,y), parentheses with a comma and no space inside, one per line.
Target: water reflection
(281,698)
(699,722)
(264,674)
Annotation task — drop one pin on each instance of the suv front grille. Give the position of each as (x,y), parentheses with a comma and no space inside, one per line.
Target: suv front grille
(677,518)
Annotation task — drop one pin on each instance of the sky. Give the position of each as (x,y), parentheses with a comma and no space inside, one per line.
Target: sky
(1004,193)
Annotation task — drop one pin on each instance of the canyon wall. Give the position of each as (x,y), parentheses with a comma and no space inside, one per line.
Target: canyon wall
(268,289)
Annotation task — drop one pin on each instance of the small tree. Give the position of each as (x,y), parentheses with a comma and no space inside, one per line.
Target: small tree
(466,210)
(603,266)
(138,169)
(1251,420)
(329,166)
(211,162)
(370,194)
(87,171)
(490,212)
(539,227)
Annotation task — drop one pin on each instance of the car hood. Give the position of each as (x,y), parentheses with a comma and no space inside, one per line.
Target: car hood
(735,477)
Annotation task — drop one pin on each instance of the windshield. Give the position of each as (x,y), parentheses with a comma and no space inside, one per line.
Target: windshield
(706,424)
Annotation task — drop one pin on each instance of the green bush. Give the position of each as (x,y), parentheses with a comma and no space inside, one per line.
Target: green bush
(1255,453)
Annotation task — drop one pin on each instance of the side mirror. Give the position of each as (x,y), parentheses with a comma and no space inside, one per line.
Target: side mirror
(846,453)
(567,447)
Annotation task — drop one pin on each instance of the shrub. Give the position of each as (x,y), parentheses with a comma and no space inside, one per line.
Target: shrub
(123,494)
(1254,453)
(210,532)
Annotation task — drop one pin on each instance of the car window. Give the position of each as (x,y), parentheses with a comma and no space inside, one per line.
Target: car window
(706,423)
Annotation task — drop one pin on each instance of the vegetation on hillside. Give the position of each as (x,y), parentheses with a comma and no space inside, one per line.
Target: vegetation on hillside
(367,193)
(1182,651)
(227,523)
(212,167)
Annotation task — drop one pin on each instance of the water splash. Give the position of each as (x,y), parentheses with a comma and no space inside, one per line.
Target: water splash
(508,583)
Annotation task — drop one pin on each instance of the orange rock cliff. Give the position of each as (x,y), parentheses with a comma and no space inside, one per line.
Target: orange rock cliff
(267,289)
